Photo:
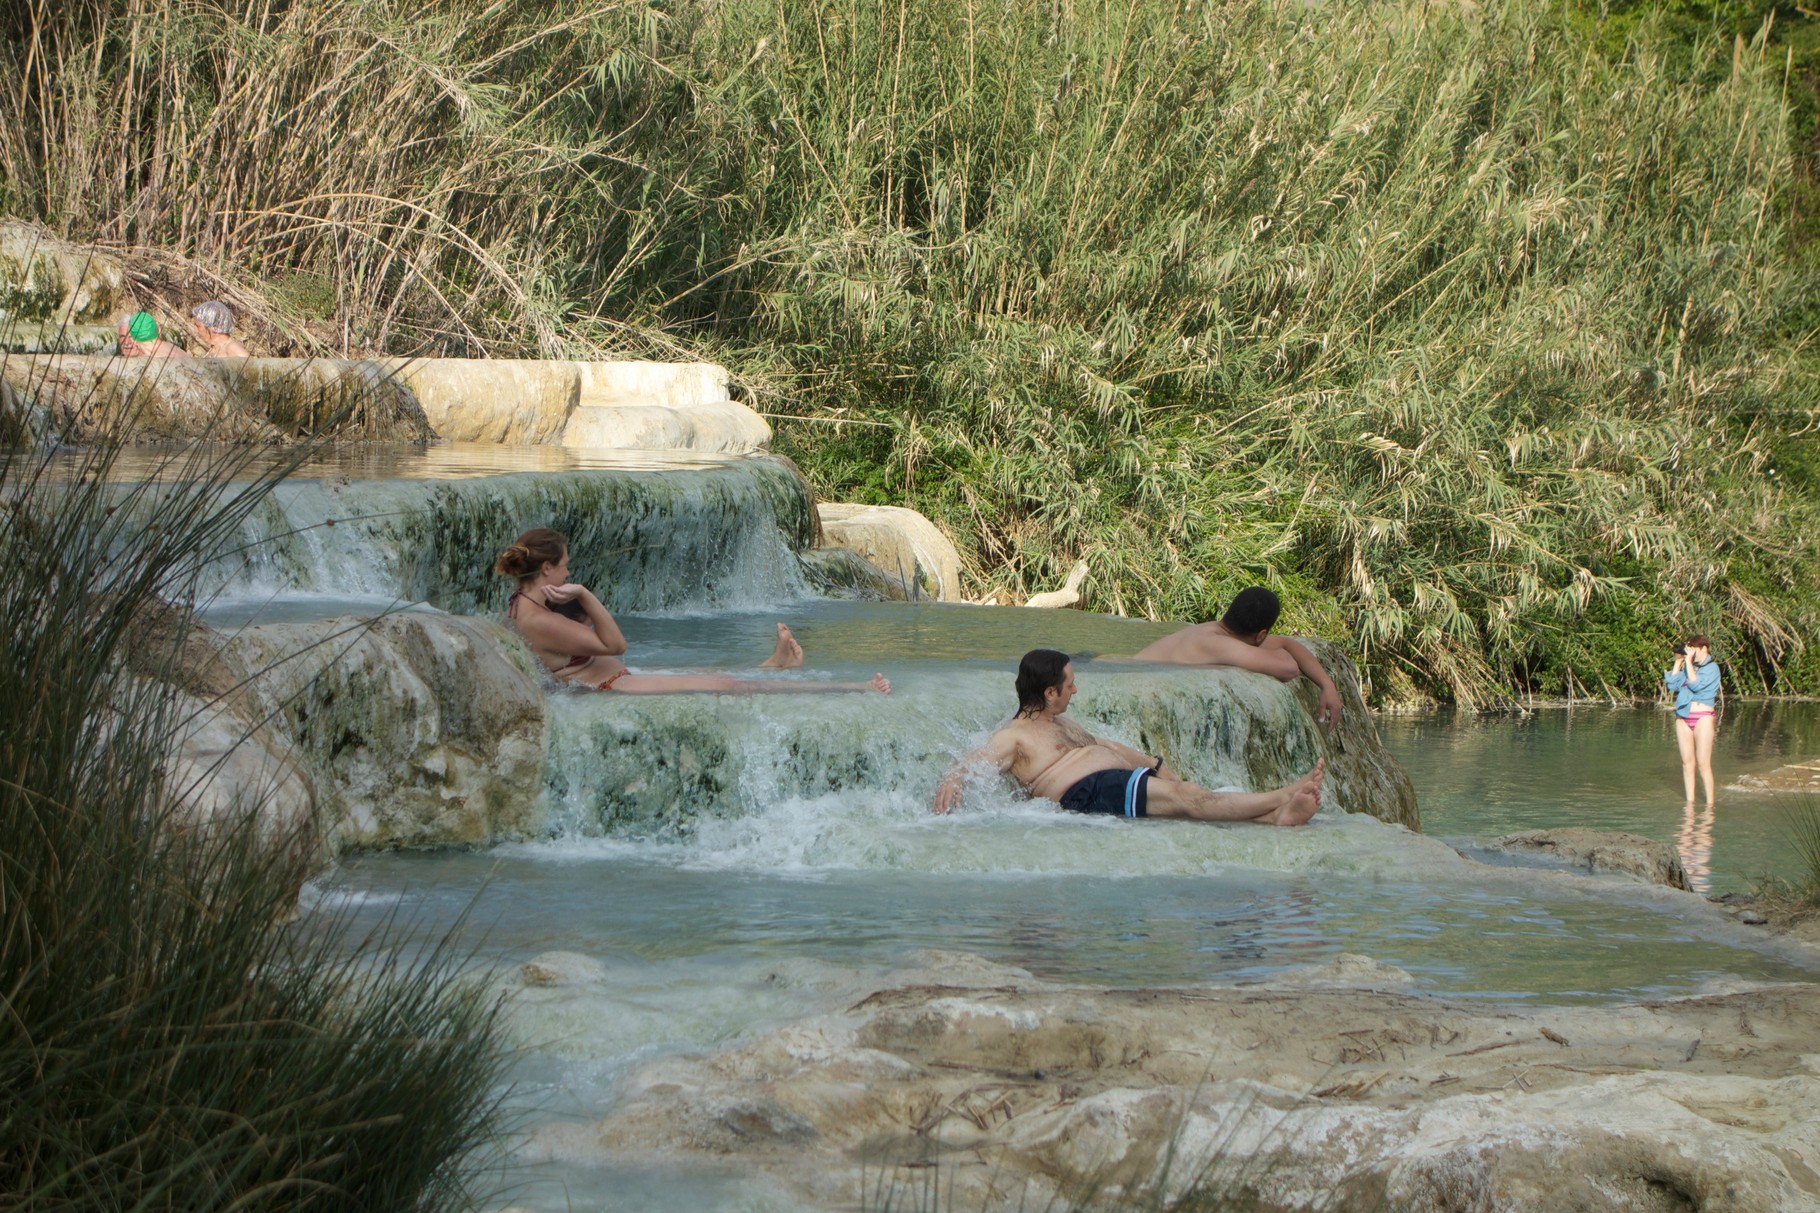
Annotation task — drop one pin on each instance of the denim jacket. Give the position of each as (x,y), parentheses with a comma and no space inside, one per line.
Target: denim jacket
(1701,685)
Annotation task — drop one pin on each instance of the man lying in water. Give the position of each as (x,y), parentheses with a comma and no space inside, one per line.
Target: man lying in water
(1058,760)
(580,644)
(1241,637)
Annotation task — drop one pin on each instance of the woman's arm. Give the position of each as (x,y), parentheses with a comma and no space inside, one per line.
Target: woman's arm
(605,628)
(1704,682)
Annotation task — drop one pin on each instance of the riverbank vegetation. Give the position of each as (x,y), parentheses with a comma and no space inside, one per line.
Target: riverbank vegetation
(1483,333)
(168,1041)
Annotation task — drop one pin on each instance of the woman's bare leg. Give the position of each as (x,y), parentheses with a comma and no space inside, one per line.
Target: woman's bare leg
(1704,732)
(1684,737)
(1290,805)
(732,684)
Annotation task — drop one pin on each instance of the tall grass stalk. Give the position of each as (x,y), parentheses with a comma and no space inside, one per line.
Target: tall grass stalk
(166,1040)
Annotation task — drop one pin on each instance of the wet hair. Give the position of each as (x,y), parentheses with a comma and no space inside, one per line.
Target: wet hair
(1251,611)
(1698,641)
(215,316)
(1037,672)
(530,552)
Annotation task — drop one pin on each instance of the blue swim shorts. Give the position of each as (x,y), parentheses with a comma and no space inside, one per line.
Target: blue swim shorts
(1120,793)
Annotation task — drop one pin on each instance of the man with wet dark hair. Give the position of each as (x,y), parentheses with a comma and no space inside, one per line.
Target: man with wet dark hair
(1059,760)
(1242,638)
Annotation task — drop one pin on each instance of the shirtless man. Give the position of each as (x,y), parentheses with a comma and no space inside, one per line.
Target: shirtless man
(1242,638)
(1059,760)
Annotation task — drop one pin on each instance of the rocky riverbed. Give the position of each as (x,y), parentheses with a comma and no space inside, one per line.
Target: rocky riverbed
(1333,1088)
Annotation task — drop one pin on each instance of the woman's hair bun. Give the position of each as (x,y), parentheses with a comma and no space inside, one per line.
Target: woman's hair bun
(530,552)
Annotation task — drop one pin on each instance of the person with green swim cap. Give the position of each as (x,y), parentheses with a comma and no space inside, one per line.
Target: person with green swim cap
(139,339)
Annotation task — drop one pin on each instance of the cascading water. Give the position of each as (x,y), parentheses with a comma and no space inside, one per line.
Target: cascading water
(708,534)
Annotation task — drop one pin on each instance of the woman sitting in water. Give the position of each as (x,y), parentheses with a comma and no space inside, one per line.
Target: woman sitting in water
(578,642)
(1694,678)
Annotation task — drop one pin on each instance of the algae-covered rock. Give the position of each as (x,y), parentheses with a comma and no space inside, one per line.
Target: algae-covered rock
(46,284)
(423,729)
(1355,753)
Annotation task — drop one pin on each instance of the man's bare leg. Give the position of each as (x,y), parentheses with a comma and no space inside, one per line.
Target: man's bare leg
(788,654)
(1290,805)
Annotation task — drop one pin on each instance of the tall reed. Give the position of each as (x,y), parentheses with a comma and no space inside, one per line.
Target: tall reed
(166,1040)
(1486,346)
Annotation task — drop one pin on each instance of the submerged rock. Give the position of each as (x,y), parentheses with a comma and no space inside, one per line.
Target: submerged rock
(1795,777)
(1018,1098)
(1604,851)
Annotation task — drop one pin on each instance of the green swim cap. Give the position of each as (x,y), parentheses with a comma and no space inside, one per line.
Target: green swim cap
(142,327)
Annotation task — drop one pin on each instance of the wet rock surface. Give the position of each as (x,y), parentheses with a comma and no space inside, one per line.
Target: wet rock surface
(1604,851)
(1795,777)
(1015,1093)
(420,729)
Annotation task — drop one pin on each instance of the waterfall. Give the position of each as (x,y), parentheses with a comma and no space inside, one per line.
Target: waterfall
(712,535)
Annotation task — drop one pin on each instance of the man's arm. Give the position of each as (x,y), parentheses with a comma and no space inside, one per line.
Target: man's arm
(1000,750)
(1328,714)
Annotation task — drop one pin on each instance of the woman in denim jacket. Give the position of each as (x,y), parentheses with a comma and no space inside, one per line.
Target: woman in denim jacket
(1694,678)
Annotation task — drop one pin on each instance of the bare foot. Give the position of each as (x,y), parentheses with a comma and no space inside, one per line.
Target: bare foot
(880,684)
(1304,798)
(788,654)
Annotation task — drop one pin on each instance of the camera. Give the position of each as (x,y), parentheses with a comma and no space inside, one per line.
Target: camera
(1680,650)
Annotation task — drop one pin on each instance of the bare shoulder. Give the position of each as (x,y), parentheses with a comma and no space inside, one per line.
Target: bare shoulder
(1196,644)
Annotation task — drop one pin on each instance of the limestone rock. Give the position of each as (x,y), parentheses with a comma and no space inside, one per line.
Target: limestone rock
(1604,851)
(561,969)
(218,399)
(226,767)
(1314,1098)
(47,285)
(508,401)
(521,402)
(723,427)
(1795,777)
(423,729)
(916,559)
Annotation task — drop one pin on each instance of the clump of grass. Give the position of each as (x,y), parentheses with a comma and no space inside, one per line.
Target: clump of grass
(166,1040)
(1803,828)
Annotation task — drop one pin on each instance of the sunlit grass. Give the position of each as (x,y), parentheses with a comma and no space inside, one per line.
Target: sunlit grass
(1482,344)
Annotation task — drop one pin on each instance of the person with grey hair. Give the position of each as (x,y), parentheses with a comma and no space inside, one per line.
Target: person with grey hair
(214,325)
